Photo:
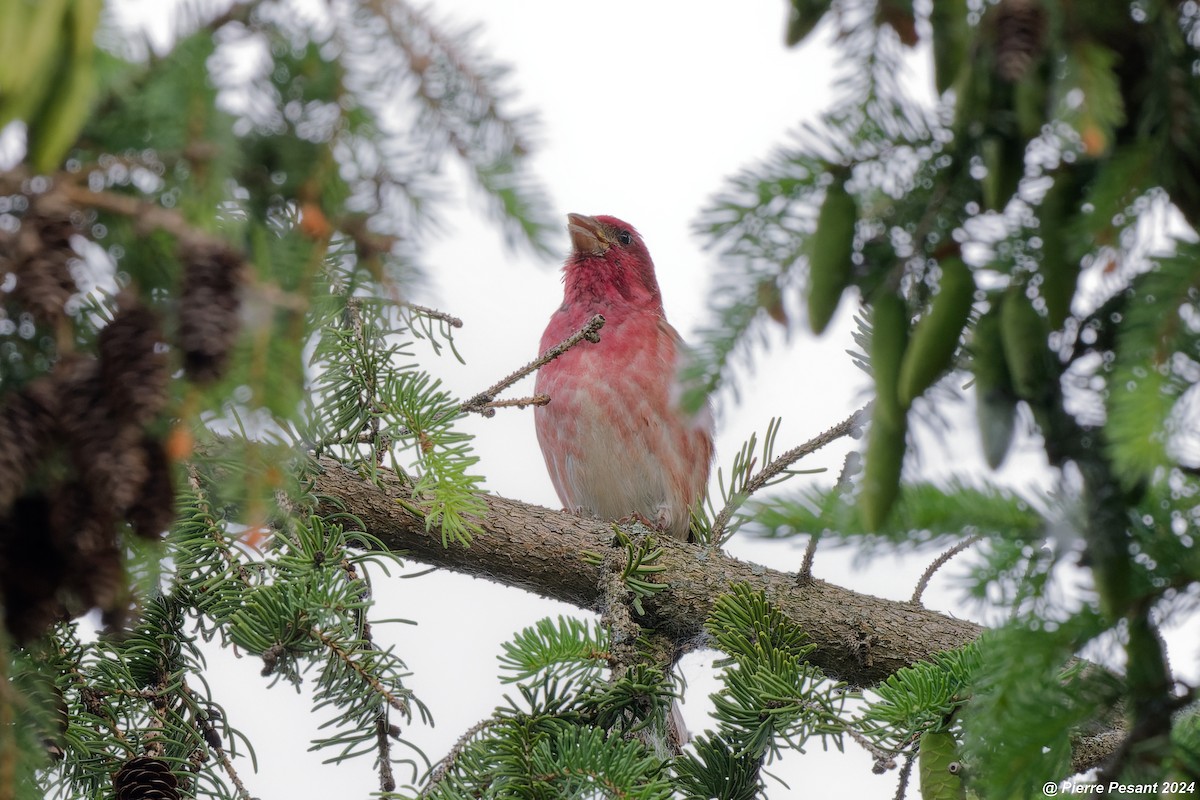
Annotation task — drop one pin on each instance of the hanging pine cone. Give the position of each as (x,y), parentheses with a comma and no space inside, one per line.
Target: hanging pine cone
(145,778)
(208,310)
(28,420)
(154,510)
(113,466)
(104,449)
(133,368)
(32,568)
(59,554)
(1020,30)
(41,261)
(84,530)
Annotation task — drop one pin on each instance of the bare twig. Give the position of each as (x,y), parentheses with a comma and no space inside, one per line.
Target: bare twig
(227,764)
(387,779)
(213,738)
(483,403)
(884,760)
(518,402)
(851,465)
(779,465)
(938,563)
(446,764)
(810,552)
(905,774)
(433,313)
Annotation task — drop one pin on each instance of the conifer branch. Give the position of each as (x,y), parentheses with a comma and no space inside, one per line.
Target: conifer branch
(227,555)
(353,315)
(540,550)
(433,313)
(905,775)
(366,677)
(484,402)
(444,766)
(778,466)
(859,639)
(938,563)
(213,738)
(90,699)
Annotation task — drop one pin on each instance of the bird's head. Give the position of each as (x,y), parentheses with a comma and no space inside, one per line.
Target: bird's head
(608,260)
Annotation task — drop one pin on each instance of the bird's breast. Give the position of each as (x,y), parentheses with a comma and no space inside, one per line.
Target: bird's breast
(614,439)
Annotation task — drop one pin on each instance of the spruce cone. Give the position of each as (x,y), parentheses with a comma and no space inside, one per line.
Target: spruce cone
(58,541)
(133,371)
(154,510)
(104,449)
(208,313)
(95,577)
(41,262)
(1020,27)
(28,420)
(113,466)
(32,568)
(145,778)
(82,530)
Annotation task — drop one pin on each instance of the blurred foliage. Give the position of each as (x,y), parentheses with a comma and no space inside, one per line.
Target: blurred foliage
(1029,229)
(207,255)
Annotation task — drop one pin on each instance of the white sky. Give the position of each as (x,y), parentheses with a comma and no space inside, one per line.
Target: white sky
(646,109)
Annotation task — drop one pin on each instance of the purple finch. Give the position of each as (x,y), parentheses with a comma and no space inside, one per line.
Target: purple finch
(616,442)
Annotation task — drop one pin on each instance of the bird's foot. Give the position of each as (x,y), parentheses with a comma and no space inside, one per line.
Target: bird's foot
(641,519)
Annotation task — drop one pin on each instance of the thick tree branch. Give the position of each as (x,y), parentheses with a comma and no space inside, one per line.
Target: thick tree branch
(860,639)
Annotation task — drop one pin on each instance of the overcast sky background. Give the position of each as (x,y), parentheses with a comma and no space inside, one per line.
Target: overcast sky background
(646,110)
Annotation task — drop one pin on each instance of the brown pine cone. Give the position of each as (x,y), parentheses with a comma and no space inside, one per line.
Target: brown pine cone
(154,510)
(84,531)
(104,448)
(1020,29)
(42,263)
(133,368)
(28,421)
(145,778)
(32,568)
(208,309)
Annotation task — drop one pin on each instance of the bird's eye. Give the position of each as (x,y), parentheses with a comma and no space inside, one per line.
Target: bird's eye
(625,237)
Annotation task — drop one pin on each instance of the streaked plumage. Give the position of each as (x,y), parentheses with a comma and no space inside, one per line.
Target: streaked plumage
(615,441)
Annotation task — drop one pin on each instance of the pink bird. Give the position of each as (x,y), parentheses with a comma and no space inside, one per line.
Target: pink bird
(616,442)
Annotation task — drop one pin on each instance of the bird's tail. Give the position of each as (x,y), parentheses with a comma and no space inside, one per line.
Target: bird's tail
(667,743)
(677,732)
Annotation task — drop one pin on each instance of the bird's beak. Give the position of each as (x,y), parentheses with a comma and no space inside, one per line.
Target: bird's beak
(588,236)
